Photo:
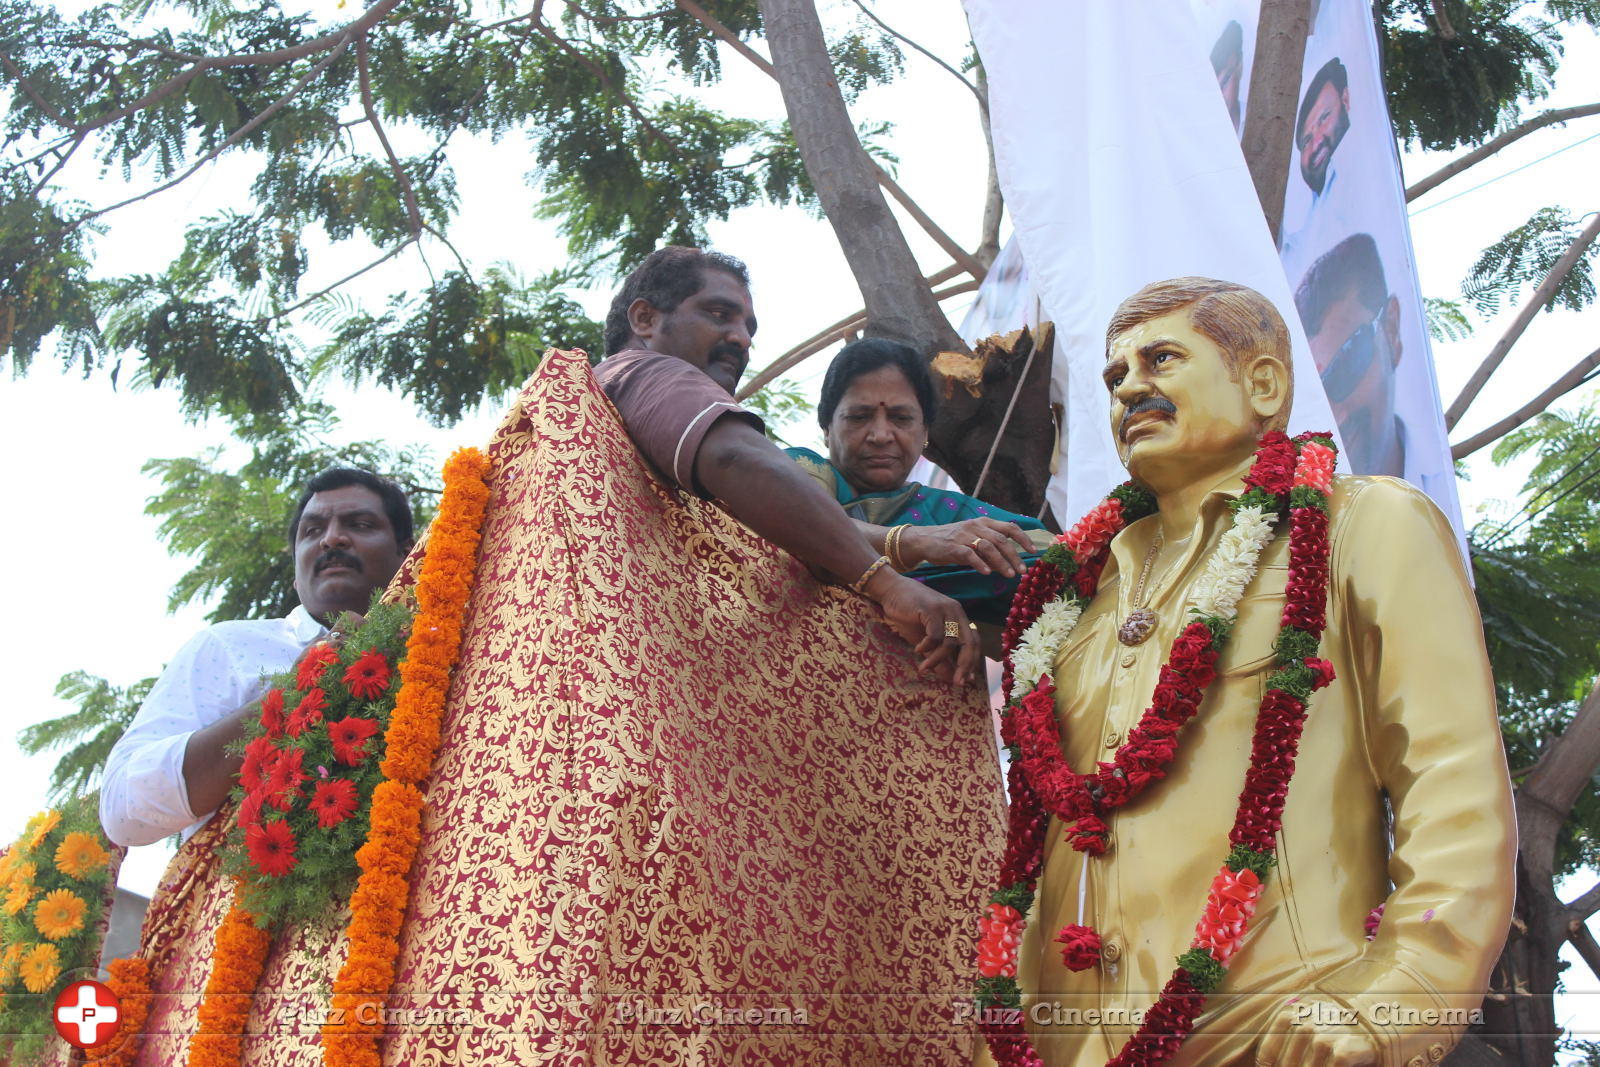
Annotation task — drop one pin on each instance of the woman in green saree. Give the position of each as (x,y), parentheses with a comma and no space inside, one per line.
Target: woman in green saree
(877,402)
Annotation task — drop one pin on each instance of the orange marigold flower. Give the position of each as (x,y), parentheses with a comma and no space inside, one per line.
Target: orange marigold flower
(39,967)
(368,676)
(318,658)
(130,981)
(80,855)
(60,914)
(39,827)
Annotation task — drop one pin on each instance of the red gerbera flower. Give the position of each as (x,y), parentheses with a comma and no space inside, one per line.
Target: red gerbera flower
(307,713)
(256,754)
(250,809)
(284,775)
(271,847)
(316,660)
(349,736)
(334,801)
(272,711)
(368,676)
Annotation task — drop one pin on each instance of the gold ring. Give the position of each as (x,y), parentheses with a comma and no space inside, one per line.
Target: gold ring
(951,629)
(976,541)
(972,626)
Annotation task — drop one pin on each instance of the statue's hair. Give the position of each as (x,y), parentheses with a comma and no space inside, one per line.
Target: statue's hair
(1236,318)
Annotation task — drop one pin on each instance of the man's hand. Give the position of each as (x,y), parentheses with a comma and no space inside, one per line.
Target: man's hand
(1314,1032)
(932,623)
(985,545)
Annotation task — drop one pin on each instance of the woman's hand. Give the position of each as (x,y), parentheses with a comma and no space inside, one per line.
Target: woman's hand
(932,623)
(985,545)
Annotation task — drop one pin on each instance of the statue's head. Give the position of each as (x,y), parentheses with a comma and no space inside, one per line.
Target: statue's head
(1197,370)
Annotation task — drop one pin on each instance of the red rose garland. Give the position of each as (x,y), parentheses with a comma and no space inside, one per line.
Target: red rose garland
(1296,475)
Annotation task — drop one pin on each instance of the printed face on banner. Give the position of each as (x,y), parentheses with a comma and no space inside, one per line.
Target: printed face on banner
(1324,120)
(1353,323)
(1227,62)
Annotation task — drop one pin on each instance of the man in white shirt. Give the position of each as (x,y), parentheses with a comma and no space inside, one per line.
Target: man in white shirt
(171,771)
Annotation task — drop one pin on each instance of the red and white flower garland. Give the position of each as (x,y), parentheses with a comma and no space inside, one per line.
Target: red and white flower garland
(1293,476)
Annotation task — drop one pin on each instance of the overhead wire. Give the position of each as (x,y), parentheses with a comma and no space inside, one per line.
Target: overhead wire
(1507,174)
(1533,512)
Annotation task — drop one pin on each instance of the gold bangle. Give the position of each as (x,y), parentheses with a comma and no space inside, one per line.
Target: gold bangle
(891,546)
(860,584)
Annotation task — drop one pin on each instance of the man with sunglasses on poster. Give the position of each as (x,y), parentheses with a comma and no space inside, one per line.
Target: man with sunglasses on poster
(1352,322)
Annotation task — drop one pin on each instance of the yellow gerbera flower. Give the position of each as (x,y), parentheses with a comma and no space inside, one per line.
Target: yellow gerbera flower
(8,864)
(40,825)
(39,968)
(80,855)
(19,896)
(8,963)
(60,914)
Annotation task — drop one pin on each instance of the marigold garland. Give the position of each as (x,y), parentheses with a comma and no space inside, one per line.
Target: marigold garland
(130,981)
(237,961)
(378,905)
(381,894)
(1293,476)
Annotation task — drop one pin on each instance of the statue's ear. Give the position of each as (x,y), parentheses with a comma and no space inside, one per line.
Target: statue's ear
(1266,381)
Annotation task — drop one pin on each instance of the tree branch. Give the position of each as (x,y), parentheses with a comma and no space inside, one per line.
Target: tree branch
(1546,796)
(897,35)
(237,135)
(993,199)
(1490,147)
(44,179)
(1563,385)
(1587,904)
(408,195)
(352,276)
(33,94)
(829,334)
(549,33)
(942,239)
(1541,297)
(1584,942)
(339,39)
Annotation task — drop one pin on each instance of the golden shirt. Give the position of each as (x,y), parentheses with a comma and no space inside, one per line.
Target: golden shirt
(1411,718)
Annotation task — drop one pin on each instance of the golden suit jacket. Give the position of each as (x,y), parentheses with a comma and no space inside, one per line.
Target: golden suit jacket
(1400,796)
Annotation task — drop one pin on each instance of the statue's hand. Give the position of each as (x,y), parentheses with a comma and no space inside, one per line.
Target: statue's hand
(1317,1032)
(985,545)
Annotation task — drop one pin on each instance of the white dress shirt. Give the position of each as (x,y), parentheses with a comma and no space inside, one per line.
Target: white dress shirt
(224,667)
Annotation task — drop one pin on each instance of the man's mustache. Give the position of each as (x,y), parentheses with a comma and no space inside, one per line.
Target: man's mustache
(731,353)
(336,557)
(1149,403)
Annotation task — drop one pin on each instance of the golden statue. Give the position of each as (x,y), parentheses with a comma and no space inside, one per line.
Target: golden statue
(1355,922)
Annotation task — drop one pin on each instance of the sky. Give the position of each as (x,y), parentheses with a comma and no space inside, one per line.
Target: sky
(90,577)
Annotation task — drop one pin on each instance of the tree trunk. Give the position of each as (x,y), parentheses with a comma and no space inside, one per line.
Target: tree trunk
(1274,100)
(993,203)
(899,304)
(1519,1017)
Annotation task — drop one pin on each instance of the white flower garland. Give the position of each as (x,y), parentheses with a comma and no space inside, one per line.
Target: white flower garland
(1228,574)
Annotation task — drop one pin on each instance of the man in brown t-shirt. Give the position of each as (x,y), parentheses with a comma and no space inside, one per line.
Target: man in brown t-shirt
(677,341)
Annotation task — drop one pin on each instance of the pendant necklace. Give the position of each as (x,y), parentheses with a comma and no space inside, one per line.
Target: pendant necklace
(1141,621)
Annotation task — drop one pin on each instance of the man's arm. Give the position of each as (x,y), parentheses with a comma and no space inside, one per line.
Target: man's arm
(767,491)
(1403,602)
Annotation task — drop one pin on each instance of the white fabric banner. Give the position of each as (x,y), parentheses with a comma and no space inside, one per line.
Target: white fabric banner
(1121,167)
(1347,254)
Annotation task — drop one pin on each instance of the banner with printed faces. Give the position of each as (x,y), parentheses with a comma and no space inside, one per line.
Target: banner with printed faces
(1121,166)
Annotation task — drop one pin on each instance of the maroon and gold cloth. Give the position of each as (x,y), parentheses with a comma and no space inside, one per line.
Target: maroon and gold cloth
(691,806)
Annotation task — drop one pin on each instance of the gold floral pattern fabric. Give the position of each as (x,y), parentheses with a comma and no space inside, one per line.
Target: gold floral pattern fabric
(691,807)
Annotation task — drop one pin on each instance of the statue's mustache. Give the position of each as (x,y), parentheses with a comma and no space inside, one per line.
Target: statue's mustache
(1149,403)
